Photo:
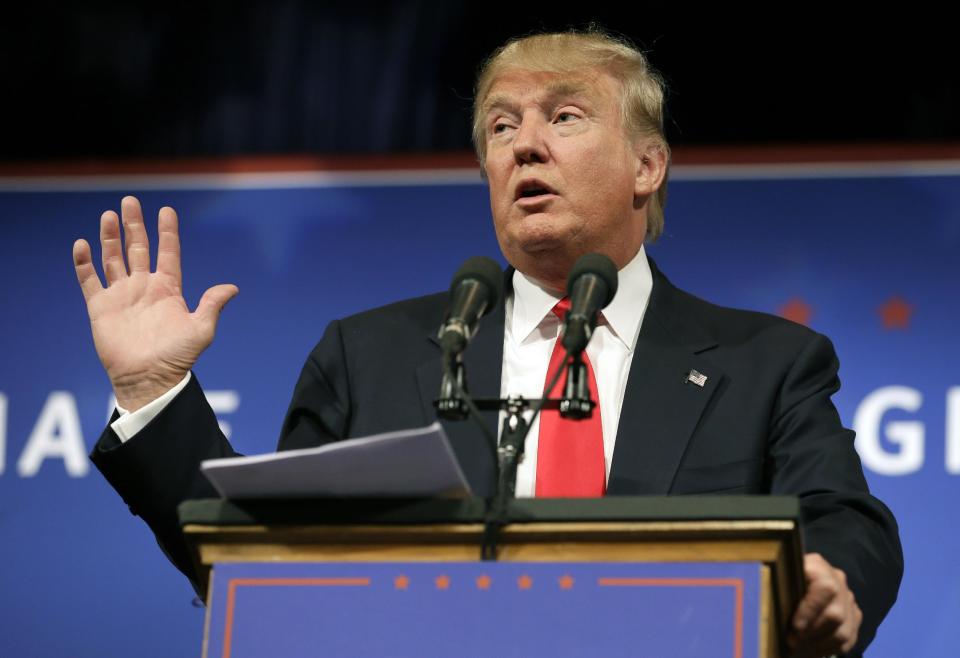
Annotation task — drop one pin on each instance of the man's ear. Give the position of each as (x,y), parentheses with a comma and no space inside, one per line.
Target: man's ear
(651,167)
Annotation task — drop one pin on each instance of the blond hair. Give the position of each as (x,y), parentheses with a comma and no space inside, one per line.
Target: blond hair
(642,88)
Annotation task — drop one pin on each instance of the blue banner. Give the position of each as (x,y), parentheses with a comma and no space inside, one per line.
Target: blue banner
(864,256)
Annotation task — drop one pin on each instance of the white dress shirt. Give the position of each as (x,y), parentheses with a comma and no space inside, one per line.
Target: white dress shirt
(530,332)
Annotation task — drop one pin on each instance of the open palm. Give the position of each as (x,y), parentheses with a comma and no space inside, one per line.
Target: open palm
(144,333)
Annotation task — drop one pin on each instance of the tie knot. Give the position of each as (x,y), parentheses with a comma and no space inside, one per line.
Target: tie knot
(561,307)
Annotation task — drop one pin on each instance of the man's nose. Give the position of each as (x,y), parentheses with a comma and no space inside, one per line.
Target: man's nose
(529,144)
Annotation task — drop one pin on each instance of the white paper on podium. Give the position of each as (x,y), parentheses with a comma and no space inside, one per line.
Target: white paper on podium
(407,463)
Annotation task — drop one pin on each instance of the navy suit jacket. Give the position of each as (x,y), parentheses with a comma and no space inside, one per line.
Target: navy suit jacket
(763,423)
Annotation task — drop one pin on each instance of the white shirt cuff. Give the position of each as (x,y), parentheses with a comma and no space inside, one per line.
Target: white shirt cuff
(131,422)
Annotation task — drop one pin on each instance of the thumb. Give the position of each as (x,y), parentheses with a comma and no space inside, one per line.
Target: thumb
(212,303)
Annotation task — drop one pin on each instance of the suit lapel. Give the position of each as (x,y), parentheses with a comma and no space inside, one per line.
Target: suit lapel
(661,408)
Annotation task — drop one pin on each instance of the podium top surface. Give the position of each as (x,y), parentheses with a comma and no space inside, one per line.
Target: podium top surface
(375,511)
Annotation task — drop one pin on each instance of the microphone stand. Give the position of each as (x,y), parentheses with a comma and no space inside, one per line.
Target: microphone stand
(452,403)
(576,402)
(455,403)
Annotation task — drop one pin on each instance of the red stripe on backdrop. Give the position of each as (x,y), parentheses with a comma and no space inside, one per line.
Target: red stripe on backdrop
(699,155)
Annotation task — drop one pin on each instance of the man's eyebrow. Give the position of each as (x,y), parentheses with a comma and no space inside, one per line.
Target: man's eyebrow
(554,90)
(497,102)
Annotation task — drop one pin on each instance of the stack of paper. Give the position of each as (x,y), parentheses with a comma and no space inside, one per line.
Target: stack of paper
(408,463)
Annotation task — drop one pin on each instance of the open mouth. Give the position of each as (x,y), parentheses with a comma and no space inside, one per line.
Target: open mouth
(532,189)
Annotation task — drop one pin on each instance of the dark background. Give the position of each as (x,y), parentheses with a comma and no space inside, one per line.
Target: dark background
(104,80)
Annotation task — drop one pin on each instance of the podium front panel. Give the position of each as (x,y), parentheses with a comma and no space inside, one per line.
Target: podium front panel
(681,610)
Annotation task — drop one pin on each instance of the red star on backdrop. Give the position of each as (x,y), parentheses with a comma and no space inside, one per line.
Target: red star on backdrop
(895,313)
(796,310)
(442,582)
(401,582)
(483,582)
(524,582)
(566,582)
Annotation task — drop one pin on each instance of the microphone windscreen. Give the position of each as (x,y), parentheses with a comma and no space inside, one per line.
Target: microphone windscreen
(483,269)
(599,265)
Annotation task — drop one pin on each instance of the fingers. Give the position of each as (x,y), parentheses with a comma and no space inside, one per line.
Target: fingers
(828,618)
(168,251)
(86,273)
(820,591)
(212,303)
(138,246)
(111,250)
(837,627)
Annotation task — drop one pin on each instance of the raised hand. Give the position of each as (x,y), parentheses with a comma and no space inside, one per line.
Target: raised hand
(146,337)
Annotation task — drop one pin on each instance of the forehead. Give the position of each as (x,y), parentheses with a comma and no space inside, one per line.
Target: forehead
(516,86)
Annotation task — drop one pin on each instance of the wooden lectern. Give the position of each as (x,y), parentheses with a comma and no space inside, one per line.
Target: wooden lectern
(762,530)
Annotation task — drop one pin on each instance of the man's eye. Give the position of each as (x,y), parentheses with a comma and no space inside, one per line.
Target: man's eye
(565,117)
(499,128)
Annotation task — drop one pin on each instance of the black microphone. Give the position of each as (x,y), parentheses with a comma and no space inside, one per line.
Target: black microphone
(591,286)
(476,288)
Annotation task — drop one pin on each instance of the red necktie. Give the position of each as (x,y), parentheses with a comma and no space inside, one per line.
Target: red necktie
(570,452)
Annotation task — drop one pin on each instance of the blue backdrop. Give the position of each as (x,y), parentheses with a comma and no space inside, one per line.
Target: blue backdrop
(866,257)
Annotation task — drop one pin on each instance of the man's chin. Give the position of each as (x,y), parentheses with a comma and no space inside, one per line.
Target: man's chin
(547,261)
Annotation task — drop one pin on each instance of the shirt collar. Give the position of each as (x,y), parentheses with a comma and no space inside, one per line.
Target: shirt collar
(533,303)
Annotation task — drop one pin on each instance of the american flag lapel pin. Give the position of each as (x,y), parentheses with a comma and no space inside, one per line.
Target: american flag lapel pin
(696,377)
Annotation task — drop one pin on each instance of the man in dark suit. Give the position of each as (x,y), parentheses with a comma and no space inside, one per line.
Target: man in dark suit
(569,130)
